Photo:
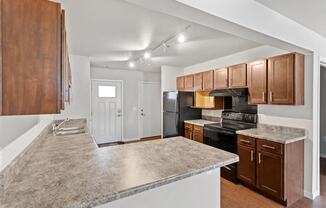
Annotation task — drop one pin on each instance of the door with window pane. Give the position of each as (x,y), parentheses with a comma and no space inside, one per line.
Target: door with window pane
(106,111)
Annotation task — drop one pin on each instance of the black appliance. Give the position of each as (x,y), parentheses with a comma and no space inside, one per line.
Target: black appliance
(177,109)
(223,136)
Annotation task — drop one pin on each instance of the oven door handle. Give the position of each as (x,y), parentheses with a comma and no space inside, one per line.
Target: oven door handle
(220,131)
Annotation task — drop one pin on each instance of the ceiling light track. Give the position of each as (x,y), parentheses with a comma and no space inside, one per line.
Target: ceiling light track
(180,37)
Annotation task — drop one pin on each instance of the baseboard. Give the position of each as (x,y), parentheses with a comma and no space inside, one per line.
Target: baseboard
(310,195)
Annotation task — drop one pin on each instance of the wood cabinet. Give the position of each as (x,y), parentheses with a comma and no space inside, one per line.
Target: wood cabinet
(180,83)
(238,76)
(286,79)
(257,82)
(198,81)
(198,133)
(221,78)
(247,167)
(188,130)
(194,132)
(189,83)
(208,80)
(275,169)
(31,57)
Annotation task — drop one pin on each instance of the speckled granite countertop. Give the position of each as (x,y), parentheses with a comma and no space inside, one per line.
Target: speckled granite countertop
(199,122)
(71,171)
(280,134)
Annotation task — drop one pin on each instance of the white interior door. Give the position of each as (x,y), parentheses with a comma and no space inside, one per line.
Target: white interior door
(106,111)
(149,102)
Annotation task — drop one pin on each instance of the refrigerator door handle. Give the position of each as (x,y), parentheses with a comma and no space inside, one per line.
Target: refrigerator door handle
(176,121)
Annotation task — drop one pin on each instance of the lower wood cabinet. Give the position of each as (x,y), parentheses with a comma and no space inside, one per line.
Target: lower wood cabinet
(194,132)
(274,169)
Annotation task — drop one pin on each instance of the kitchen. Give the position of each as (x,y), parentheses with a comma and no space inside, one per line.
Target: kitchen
(233,84)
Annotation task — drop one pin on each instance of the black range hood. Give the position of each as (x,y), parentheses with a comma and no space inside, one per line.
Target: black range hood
(237,92)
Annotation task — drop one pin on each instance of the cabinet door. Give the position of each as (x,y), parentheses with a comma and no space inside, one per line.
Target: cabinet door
(247,164)
(270,173)
(189,82)
(188,130)
(198,134)
(180,83)
(238,76)
(281,79)
(221,78)
(198,81)
(31,57)
(257,82)
(208,80)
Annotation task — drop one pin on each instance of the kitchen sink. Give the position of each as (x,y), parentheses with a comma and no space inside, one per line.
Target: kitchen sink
(70,131)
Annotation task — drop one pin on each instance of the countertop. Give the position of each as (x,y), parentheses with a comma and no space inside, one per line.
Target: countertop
(200,122)
(279,134)
(71,171)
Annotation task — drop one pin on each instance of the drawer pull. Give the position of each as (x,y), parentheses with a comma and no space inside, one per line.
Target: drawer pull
(268,147)
(259,158)
(245,141)
(252,155)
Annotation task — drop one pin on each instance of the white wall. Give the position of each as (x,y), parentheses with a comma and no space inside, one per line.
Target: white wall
(130,99)
(323,112)
(81,89)
(12,127)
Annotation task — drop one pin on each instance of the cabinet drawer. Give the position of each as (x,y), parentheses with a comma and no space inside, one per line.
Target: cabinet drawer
(188,126)
(198,134)
(270,146)
(247,141)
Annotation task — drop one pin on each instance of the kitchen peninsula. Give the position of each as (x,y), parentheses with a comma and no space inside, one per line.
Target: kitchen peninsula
(173,172)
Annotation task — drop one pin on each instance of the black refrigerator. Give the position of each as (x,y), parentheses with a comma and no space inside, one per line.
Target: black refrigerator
(177,109)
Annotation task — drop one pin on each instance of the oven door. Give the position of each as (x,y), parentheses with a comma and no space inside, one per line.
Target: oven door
(221,139)
(225,140)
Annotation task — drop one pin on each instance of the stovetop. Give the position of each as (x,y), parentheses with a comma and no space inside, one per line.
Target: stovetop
(233,121)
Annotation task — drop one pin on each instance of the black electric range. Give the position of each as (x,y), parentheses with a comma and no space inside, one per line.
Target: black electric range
(223,136)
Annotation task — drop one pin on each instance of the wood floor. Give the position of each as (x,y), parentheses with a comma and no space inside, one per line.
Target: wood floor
(238,196)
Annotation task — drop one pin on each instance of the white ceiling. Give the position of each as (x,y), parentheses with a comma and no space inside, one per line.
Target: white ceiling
(112,32)
(310,13)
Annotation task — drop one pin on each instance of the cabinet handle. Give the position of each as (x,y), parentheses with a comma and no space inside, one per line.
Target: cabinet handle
(268,147)
(264,97)
(252,155)
(259,158)
(245,141)
(226,167)
(271,96)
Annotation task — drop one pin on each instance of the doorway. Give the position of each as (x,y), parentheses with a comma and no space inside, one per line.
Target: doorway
(149,113)
(106,111)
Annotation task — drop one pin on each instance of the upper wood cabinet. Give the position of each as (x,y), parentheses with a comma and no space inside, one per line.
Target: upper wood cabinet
(189,82)
(221,78)
(198,81)
(286,79)
(208,80)
(257,82)
(204,101)
(180,83)
(31,57)
(238,76)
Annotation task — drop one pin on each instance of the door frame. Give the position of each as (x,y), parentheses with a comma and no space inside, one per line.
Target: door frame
(122,103)
(138,105)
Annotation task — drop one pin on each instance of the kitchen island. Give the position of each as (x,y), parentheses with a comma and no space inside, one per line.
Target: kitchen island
(71,171)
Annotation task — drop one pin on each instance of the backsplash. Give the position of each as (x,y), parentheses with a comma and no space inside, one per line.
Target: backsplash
(212,115)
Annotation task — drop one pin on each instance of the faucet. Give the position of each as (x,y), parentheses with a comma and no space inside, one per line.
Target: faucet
(56,127)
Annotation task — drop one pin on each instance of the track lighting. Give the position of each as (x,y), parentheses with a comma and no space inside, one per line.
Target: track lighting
(131,64)
(181,38)
(147,55)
